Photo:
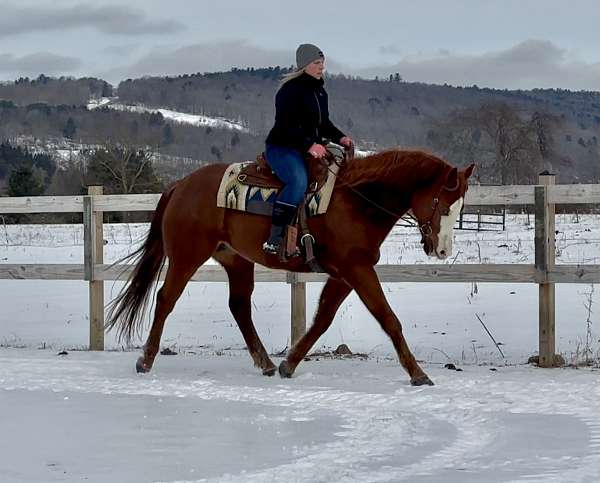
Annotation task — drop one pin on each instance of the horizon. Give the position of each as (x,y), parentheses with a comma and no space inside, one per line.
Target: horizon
(351,76)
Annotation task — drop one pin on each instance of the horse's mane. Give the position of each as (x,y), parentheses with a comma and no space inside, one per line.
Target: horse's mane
(390,166)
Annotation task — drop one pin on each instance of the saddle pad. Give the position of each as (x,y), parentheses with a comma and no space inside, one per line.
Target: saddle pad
(242,197)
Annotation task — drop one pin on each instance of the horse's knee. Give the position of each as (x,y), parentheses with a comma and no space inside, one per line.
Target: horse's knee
(239,304)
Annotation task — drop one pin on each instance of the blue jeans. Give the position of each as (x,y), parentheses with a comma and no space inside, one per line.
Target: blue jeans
(290,167)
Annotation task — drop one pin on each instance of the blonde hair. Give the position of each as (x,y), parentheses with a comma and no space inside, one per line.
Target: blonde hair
(291,75)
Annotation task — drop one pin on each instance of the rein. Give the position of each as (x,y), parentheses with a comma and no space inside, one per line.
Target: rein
(425,228)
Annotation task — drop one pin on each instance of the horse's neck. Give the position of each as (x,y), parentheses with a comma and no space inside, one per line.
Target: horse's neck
(378,206)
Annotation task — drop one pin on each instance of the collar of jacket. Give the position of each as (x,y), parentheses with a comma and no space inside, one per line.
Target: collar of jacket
(309,80)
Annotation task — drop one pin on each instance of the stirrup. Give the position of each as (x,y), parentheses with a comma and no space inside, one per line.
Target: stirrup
(271,248)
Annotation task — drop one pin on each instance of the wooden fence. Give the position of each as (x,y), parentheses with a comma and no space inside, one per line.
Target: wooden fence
(544,272)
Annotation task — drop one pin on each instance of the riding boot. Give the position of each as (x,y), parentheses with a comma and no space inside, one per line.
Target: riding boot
(283,214)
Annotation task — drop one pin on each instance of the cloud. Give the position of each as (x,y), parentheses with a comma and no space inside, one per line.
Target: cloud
(108,19)
(38,63)
(121,50)
(389,50)
(526,65)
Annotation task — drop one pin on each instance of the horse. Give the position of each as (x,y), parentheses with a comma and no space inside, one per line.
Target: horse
(370,195)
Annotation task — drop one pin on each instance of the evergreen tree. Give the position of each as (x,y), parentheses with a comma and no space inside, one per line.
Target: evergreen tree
(167,135)
(69,129)
(23,181)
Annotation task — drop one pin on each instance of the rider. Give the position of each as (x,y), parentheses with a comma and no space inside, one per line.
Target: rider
(301,124)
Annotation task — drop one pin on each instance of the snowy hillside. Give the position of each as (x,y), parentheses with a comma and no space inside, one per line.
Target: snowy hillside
(174,116)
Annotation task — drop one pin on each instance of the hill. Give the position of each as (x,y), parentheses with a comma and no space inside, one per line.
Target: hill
(463,124)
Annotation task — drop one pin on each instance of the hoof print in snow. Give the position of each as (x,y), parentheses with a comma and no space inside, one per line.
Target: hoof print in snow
(167,352)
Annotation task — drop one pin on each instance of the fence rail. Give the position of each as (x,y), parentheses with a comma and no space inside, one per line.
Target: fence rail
(544,272)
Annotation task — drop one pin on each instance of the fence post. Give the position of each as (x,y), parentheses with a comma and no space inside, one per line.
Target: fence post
(93,249)
(544,261)
(298,313)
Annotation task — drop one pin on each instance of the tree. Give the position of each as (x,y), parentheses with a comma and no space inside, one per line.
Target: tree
(508,146)
(24,181)
(167,135)
(69,129)
(123,170)
(544,125)
(215,151)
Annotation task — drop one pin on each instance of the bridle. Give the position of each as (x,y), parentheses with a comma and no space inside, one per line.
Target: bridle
(426,228)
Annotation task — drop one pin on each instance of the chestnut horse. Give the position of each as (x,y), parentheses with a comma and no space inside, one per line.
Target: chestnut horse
(370,195)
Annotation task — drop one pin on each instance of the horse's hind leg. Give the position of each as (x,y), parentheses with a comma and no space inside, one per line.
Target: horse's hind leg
(333,294)
(241,285)
(178,275)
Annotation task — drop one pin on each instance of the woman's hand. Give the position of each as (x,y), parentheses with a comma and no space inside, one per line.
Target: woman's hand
(347,142)
(317,151)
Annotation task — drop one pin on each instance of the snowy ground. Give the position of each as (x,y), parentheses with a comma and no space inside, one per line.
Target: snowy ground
(89,417)
(208,415)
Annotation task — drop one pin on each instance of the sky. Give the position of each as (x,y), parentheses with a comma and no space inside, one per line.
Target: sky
(513,44)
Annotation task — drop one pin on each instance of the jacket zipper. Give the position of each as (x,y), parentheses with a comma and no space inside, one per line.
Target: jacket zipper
(319,108)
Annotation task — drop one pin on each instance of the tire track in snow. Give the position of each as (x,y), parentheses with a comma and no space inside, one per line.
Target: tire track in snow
(378,428)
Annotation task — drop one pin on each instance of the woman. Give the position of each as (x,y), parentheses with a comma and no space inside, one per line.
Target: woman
(301,125)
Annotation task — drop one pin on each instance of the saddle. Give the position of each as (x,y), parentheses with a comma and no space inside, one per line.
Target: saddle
(252,186)
(260,174)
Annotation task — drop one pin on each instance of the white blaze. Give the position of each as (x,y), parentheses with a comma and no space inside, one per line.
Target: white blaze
(444,246)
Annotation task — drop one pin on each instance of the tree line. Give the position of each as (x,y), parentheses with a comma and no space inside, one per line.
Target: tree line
(510,135)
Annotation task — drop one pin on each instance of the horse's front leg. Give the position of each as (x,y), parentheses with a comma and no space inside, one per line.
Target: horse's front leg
(364,280)
(333,294)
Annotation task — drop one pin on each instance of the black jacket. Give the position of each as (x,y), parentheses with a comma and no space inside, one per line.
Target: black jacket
(302,115)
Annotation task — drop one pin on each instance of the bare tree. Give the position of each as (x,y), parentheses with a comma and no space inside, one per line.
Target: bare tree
(122,169)
(507,145)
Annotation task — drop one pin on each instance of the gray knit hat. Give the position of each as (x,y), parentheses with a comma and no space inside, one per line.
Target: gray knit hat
(307,53)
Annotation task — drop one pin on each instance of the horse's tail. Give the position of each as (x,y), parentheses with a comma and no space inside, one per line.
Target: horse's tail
(126,311)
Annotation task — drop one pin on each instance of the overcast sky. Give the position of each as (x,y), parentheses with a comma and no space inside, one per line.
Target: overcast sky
(504,44)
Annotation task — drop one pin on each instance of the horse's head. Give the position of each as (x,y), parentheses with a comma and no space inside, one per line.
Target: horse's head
(436,208)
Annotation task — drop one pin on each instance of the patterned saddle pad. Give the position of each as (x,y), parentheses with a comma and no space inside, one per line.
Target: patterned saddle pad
(243,196)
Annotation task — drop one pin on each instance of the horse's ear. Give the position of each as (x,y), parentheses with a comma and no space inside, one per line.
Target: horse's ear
(469,171)
(452,182)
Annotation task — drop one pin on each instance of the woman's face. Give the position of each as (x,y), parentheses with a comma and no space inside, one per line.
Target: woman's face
(315,68)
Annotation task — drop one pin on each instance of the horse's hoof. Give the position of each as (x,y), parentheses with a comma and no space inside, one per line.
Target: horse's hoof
(141,367)
(269,371)
(421,381)
(285,370)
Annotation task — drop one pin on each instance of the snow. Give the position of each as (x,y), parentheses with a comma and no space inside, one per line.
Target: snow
(207,415)
(175,116)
